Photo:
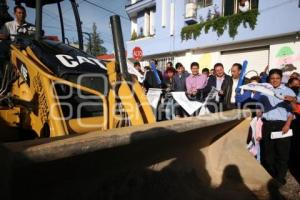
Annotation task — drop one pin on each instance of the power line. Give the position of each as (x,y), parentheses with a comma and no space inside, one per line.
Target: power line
(70,8)
(58,28)
(72,30)
(66,19)
(67,24)
(53,15)
(107,10)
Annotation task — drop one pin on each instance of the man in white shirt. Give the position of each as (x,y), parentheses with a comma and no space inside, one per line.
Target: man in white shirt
(19,25)
(8,32)
(235,75)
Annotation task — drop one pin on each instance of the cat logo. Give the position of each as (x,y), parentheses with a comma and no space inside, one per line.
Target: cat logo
(24,72)
(69,61)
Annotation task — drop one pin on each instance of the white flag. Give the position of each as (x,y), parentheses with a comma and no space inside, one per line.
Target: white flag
(189,106)
(264,88)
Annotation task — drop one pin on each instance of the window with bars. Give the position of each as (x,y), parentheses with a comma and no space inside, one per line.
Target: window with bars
(161,62)
(231,7)
(204,3)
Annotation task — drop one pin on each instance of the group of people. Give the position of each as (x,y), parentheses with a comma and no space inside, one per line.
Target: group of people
(272,112)
(196,85)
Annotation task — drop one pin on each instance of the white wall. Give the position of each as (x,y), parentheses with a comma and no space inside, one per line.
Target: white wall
(257,60)
(205,60)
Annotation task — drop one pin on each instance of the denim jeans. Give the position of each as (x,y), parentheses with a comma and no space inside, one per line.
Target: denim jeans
(170,109)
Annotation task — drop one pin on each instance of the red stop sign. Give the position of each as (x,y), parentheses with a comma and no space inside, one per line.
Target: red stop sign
(137,53)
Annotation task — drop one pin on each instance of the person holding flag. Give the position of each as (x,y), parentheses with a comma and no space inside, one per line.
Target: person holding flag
(237,79)
(154,78)
(275,100)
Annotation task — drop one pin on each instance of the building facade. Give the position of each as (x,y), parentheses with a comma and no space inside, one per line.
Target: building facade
(264,32)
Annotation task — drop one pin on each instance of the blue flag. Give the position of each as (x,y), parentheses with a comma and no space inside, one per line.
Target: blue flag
(153,67)
(242,76)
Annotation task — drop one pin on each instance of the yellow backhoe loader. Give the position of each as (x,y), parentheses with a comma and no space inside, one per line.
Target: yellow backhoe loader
(57,90)
(94,134)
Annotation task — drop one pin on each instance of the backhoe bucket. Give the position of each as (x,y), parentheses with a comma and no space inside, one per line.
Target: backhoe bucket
(194,158)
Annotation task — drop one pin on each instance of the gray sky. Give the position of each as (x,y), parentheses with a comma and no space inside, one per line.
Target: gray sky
(88,14)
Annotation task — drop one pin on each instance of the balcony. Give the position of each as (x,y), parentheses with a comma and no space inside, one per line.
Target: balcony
(133,9)
(190,16)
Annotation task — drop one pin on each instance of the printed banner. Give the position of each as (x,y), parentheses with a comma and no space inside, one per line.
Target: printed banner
(153,96)
(189,106)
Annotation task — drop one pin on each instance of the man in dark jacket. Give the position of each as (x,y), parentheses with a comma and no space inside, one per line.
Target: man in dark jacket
(180,86)
(221,82)
(179,78)
(229,98)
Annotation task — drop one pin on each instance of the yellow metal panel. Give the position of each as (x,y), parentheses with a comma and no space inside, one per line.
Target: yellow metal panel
(42,86)
(145,106)
(130,105)
(84,125)
(11,117)
(58,125)
(132,97)
(112,77)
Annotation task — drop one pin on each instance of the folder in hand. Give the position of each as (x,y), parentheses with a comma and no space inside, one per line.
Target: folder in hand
(279,134)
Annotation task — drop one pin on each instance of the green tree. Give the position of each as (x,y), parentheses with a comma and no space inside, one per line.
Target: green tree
(97,47)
